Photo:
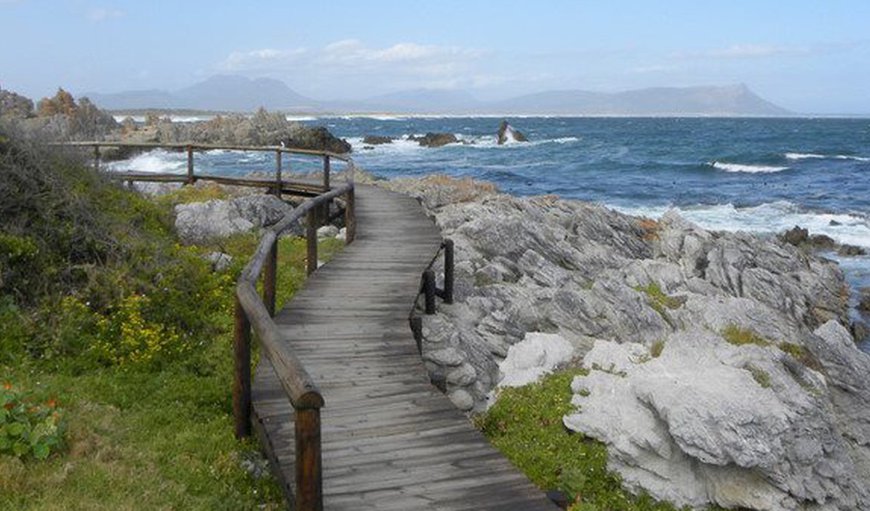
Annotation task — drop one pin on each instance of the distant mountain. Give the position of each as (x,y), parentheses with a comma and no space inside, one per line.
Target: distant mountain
(236,93)
(221,93)
(728,100)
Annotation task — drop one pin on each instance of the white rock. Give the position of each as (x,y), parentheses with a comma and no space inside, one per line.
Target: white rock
(462,400)
(533,357)
(327,231)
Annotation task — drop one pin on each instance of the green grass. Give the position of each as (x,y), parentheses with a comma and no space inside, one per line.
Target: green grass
(802,355)
(657,348)
(742,336)
(761,377)
(659,300)
(525,424)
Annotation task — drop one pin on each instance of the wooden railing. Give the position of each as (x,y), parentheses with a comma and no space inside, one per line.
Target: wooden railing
(254,312)
(191,176)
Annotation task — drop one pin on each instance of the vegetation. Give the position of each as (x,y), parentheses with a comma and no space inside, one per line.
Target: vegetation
(657,348)
(742,336)
(659,300)
(525,424)
(115,348)
(802,355)
(760,376)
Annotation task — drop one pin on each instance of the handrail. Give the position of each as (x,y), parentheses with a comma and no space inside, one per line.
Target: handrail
(255,313)
(207,147)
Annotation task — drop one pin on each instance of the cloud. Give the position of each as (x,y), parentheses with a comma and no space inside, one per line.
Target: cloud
(99,14)
(407,61)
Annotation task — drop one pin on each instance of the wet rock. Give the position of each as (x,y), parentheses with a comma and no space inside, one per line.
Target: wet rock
(434,139)
(377,140)
(507,134)
(851,251)
(796,236)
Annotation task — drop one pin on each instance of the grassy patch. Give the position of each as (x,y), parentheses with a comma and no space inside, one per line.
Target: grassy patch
(742,336)
(188,194)
(659,300)
(657,348)
(525,424)
(801,355)
(760,376)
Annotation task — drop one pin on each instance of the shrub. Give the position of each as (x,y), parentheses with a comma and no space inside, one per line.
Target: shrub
(660,301)
(742,336)
(28,427)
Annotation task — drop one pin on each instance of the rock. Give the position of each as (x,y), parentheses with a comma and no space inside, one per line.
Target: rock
(851,251)
(860,331)
(317,139)
(796,236)
(507,134)
(533,357)
(377,140)
(435,139)
(202,222)
(462,375)
(834,223)
(449,357)
(709,422)
(822,242)
(462,400)
(219,261)
(864,300)
(342,234)
(327,231)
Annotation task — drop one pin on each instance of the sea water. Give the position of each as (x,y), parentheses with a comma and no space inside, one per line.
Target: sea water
(758,175)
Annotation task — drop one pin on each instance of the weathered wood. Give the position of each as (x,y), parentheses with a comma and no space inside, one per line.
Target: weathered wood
(311,241)
(278,158)
(326,169)
(97,158)
(448,271)
(270,275)
(309,465)
(190,176)
(417,330)
(350,216)
(242,373)
(207,147)
(429,291)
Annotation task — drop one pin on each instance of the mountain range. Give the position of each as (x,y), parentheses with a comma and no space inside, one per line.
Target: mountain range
(240,94)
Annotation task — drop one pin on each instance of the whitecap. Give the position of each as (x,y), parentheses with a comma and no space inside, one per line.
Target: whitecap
(158,161)
(750,169)
(767,218)
(814,156)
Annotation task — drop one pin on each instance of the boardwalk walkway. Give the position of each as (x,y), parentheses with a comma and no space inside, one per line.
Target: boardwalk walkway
(391,441)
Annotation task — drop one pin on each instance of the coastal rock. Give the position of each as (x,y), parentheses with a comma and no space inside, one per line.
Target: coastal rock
(851,251)
(796,236)
(201,222)
(508,134)
(864,299)
(536,355)
(434,139)
(377,140)
(779,423)
(327,231)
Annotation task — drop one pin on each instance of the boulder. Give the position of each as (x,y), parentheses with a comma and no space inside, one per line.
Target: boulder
(377,140)
(851,251)
(327,231)
(507,134)
(796,236)
(864,300)
(434,139)
(201,222)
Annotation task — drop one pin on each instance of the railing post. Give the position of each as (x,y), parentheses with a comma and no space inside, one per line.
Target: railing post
(309,465)
(96,158)
(242,376)
(326,171)
(417,330)
(190,178)
(270,274)
(311,236)
(429,291)
(448,271)
(278,184)
(350,217)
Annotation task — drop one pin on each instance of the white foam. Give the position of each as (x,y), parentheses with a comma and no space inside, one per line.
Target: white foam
(769,218)
(158,161)
(751,169)
(813,156)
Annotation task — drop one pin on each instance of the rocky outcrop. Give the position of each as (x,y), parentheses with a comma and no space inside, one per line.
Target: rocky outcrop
(720,368)
(434,139)
(202,222)
(507,134)
(377,140)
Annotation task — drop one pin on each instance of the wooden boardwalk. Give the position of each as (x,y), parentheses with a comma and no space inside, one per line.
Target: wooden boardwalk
(391,441)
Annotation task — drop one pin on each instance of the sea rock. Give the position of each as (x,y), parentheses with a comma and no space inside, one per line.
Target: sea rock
(796,236)
(435,139)
(864,299)
(508,134)
(822,242)
(377,140)
(851,251)
(202,222)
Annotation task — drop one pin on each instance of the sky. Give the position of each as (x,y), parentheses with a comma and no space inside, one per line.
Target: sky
(807,56)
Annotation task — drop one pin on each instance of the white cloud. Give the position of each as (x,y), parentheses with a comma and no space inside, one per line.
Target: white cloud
(354,57)
(99,14)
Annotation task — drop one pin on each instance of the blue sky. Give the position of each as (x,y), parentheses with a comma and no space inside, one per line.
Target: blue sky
(808,56)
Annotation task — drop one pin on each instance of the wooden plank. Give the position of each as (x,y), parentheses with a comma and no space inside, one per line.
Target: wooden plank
(390,441)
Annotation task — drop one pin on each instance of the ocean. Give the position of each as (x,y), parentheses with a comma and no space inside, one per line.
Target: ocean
(758,175)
